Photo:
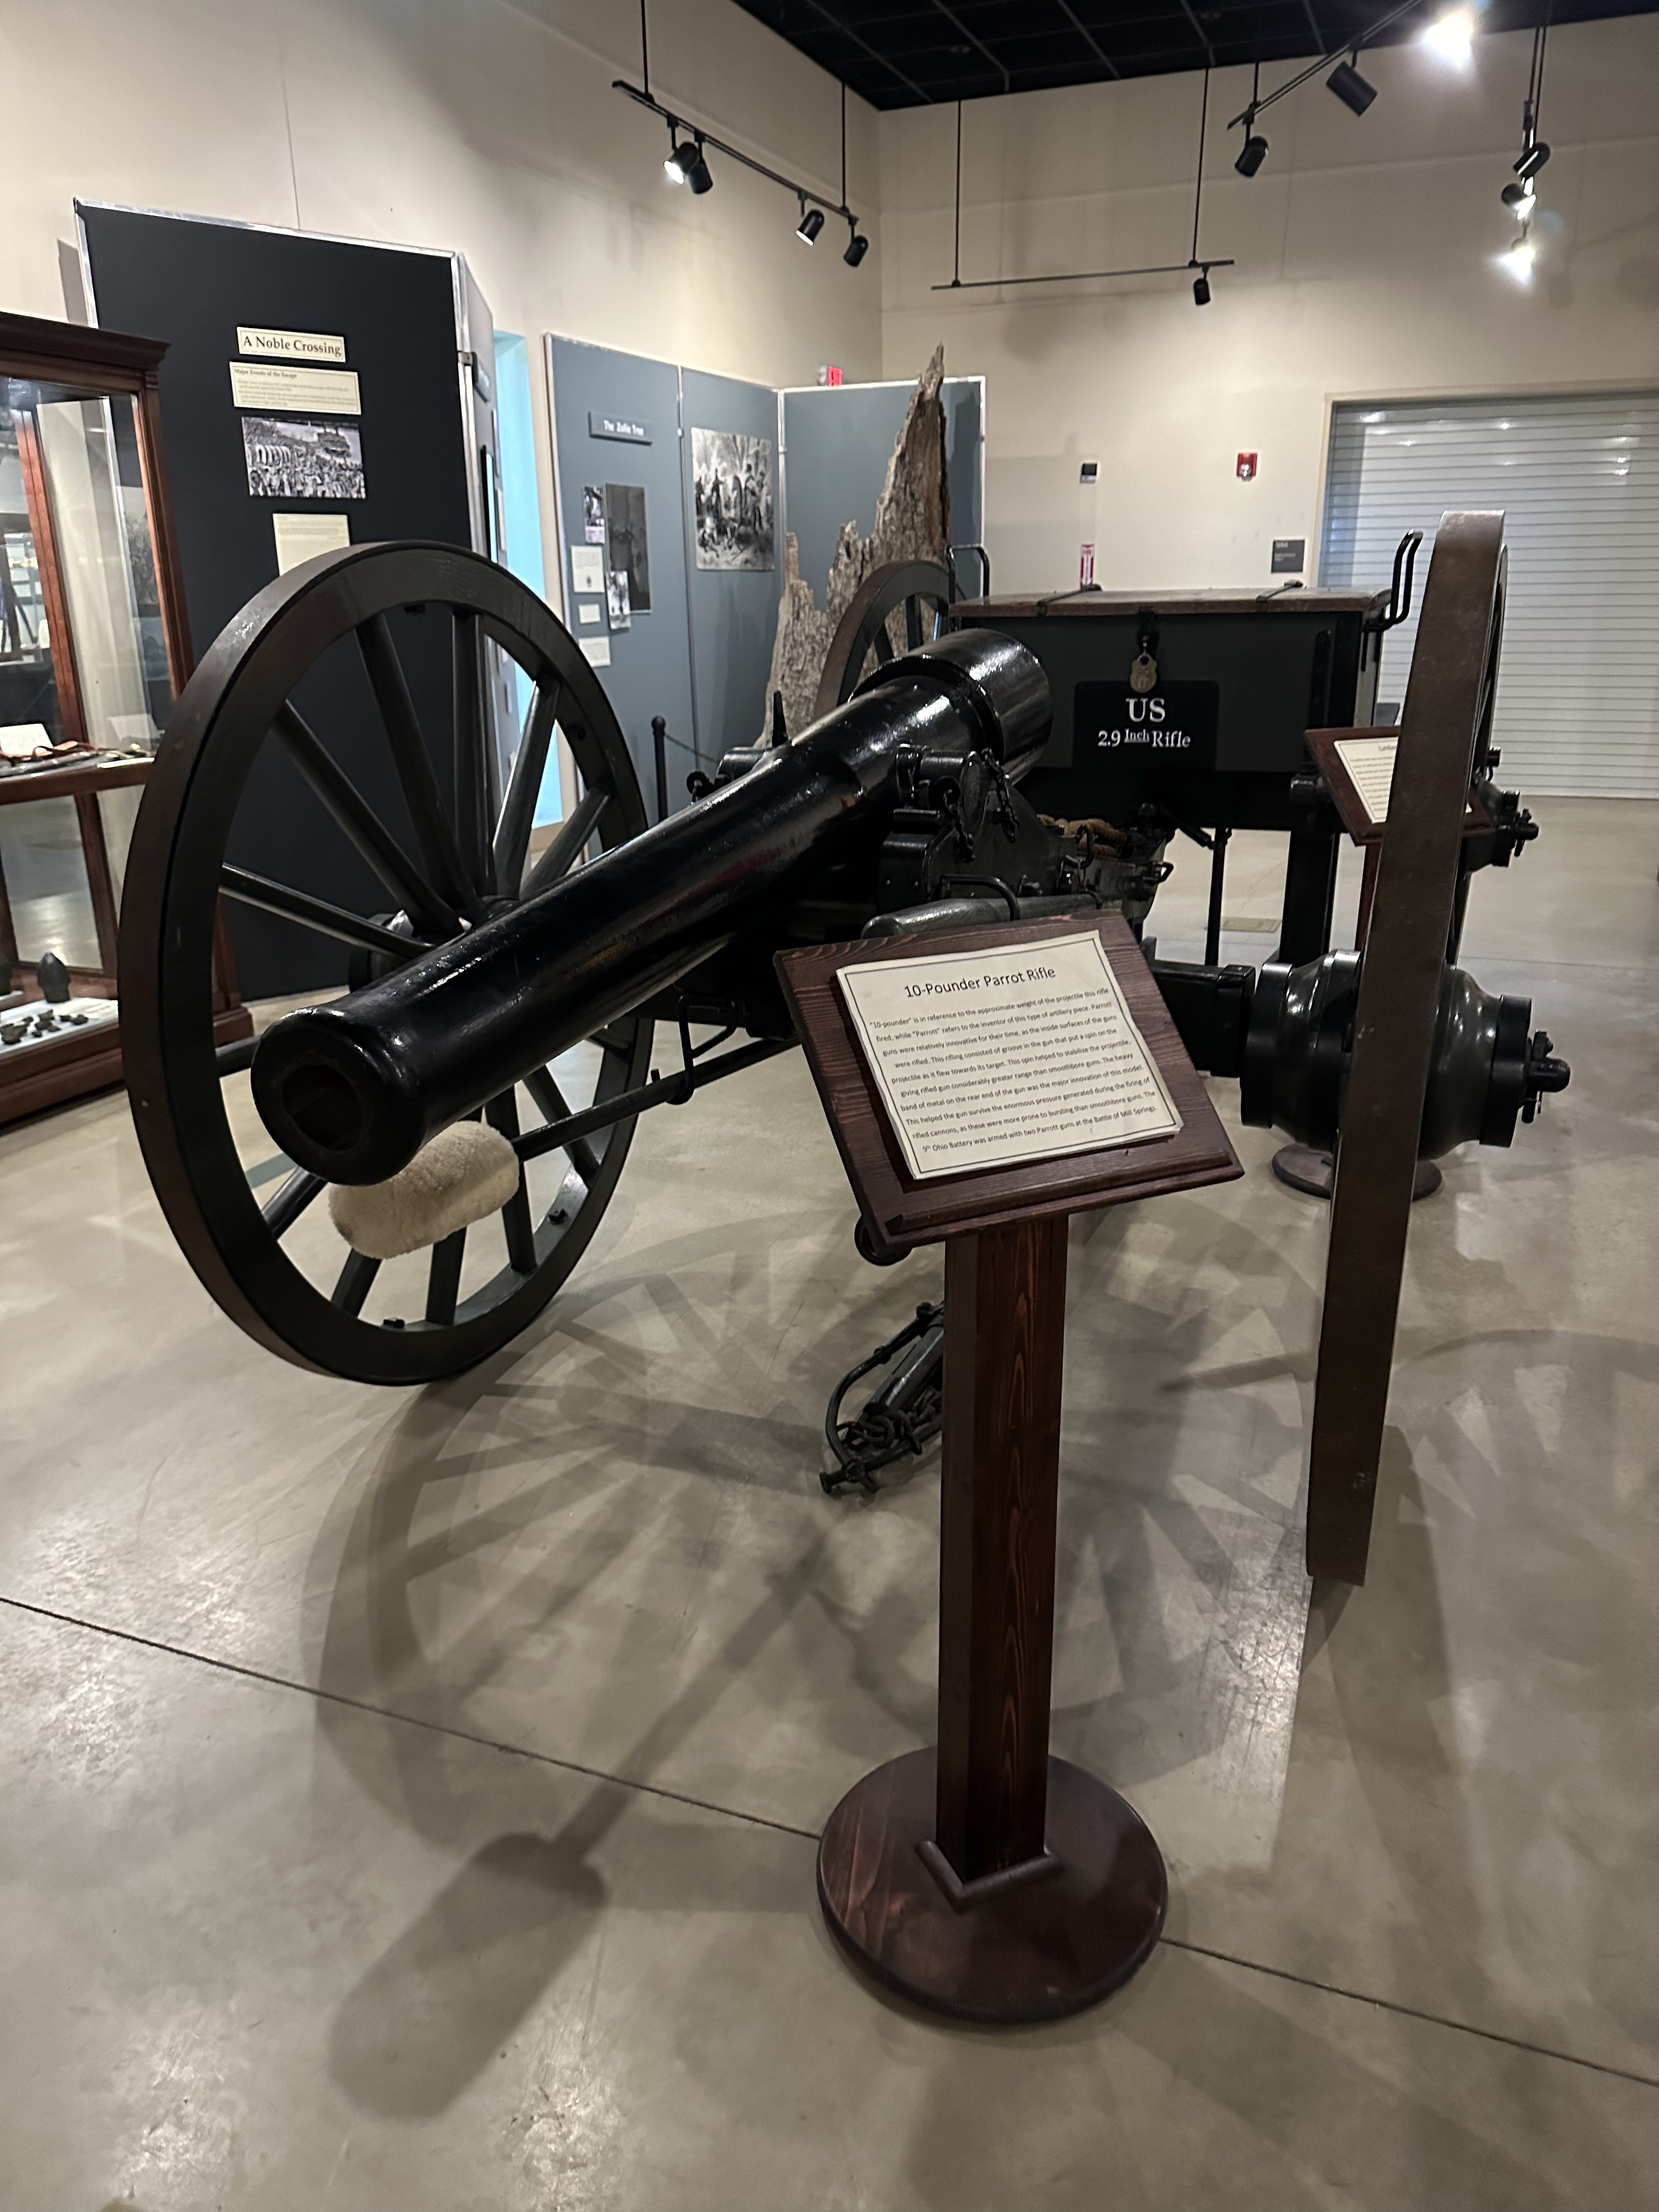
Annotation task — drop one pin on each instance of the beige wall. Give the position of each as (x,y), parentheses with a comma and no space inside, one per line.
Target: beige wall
(470,124)
(1365,269)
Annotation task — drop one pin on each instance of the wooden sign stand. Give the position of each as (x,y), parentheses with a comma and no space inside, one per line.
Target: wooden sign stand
(985,1878)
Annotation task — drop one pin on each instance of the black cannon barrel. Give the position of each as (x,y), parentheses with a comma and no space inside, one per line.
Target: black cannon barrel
(352,1090)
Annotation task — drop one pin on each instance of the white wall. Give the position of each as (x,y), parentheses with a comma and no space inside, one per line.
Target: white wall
(471,124)
(1365,269)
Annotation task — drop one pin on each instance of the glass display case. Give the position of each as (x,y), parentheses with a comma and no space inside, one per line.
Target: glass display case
(94,647)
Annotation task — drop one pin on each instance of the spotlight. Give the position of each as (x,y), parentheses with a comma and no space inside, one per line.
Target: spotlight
(1252,155)
(1201,288)
(1521,201)
(1450,37)
(1519,259)
(672,167)
(685,164)
(1350,87)
(1527,164)
(857,246)
(811,223)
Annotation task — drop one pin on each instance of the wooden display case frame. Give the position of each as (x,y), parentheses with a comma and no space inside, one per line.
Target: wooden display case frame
(92,364)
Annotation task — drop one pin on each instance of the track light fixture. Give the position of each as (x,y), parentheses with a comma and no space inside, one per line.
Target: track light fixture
(1521,197)
(1450,37)
(1518,261)
(1201,288)
(1254,152)
(687,162)
(1350,87)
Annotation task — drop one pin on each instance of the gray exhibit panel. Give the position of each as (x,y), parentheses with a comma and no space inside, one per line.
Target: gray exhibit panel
(616,422)
(837,441)
(734,609)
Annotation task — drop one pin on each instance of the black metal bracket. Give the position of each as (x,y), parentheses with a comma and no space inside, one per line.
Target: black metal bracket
(904,1416)
(674,1090)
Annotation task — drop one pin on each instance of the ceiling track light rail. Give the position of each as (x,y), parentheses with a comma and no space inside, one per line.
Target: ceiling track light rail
(1195,265)
(811,201)
(1345,81)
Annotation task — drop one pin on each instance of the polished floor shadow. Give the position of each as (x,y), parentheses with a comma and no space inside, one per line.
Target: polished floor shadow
(500,1864)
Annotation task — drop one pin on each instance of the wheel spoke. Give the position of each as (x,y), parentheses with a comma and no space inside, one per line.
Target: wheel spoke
(358,1272)
(519,808)
(503,1114)
(443,1279)
(366,832)
(572,835)
(912,623)
(883,646)
(296,1194)
(315,914)
(550,1099)
(433,834)
(471,770)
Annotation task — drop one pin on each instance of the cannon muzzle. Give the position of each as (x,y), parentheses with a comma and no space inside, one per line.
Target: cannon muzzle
(352,1090)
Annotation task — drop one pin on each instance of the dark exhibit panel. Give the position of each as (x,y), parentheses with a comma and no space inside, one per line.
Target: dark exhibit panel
(837,441)
(733,593)
(616,430)
(312,387)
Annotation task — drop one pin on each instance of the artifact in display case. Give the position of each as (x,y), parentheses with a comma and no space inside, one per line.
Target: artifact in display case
(93,648)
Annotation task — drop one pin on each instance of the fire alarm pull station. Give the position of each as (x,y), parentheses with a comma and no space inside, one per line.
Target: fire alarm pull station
(1247,468)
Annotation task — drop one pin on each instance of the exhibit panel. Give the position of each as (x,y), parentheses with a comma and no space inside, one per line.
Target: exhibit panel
(730,467)
(622,540)
(315,392)
(837,441)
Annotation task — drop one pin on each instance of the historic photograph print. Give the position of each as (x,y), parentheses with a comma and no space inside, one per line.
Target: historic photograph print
(731,473)
(615,599)
(626,545)
(301,460)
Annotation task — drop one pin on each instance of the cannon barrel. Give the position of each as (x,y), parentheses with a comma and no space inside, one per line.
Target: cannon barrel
(352,1090)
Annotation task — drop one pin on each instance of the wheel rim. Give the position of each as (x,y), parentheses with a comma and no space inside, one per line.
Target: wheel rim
(260,1241)
(921,588)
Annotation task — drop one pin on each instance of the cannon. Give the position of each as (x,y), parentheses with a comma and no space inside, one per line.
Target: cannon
(518,999)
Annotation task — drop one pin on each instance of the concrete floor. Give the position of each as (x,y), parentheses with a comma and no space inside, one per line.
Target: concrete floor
(408,1800)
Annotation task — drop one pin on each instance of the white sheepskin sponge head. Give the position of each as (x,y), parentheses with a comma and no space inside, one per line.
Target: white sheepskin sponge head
(467,1171)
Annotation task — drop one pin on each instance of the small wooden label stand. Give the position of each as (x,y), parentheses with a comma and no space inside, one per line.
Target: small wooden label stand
(986,1879)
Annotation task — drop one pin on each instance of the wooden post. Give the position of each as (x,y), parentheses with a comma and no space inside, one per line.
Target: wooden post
(984,1877)
(1004,1315)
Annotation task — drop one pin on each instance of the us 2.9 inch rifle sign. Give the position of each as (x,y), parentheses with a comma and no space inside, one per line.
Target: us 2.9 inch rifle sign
(1170,730)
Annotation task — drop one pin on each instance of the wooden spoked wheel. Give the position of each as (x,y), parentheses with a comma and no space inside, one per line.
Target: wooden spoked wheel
(1449,704)
(864,635)
(441,855)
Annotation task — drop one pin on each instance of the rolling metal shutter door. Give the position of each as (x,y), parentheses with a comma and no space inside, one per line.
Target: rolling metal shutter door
(1577,476)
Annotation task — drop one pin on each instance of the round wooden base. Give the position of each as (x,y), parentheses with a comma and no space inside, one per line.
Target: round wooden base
(1025,1947)
(1303,1168)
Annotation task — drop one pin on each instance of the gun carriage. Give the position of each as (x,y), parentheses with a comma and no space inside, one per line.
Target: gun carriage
(521,997)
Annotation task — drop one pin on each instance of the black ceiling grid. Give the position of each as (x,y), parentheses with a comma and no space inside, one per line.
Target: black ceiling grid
(907,53)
